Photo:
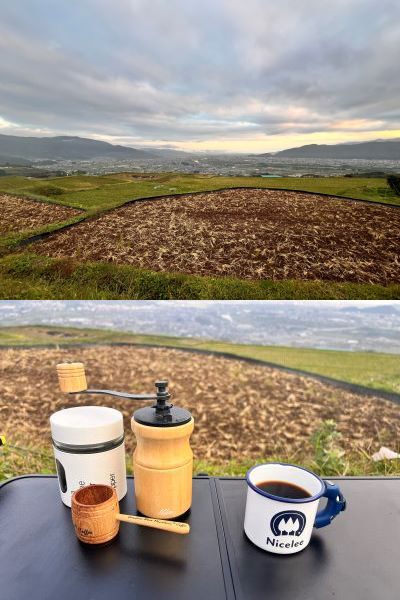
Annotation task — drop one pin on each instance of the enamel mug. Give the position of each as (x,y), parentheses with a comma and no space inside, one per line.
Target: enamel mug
(284,525)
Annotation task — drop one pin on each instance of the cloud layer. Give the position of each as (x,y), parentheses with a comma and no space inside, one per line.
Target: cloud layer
(223,74)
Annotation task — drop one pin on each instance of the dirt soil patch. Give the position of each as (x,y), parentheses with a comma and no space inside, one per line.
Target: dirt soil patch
(270,411)
(22,214)
(247,233)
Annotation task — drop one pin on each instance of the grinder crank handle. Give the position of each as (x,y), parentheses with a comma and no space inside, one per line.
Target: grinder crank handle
(172,526)
(119,394)
(72,380)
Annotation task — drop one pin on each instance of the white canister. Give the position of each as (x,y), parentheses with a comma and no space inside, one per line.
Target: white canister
(88,443)
(284,525)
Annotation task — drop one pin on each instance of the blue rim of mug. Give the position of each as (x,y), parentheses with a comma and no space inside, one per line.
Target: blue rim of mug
(280,498)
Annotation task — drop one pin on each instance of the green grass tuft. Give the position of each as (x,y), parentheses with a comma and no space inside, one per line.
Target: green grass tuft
(29,276)
(327,459)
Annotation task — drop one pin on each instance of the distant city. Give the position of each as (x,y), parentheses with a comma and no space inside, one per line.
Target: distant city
(67,155)
(324,325)
(224,165)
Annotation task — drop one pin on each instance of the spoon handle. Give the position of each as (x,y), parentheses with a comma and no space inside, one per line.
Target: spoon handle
(173,526)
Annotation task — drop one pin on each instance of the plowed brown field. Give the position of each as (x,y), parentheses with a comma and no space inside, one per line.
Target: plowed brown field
(22,214)
(269,411)
(246,233)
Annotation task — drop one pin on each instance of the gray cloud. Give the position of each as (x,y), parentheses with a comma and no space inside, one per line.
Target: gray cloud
(185,70)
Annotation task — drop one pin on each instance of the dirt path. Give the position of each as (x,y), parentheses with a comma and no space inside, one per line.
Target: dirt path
(22,214)
(250,234)
(270,411)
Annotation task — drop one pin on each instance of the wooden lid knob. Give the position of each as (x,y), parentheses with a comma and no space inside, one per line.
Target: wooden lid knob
(71,377)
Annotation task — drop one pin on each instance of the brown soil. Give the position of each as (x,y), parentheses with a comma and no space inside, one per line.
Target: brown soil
(249,234)
(22,214)
(270,411)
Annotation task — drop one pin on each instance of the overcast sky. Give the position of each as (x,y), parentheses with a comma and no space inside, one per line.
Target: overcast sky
(230,75)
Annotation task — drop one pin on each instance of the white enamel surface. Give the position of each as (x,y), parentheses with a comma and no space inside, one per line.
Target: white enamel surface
(261,511)
(82,425)
(101,467)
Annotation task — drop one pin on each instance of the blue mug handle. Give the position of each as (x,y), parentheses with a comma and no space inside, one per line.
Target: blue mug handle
(336,504)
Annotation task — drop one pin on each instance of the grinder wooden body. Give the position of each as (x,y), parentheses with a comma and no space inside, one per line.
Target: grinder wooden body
(163,469)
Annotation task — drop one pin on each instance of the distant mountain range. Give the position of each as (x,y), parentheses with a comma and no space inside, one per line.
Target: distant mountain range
(19,149)
(377,150)
(30,151)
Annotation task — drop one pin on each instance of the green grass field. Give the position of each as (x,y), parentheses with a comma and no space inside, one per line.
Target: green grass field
(21,458)
(94,193)
(375,370)
(25,276)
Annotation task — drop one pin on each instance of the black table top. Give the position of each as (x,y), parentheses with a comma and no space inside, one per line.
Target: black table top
(355,558)
(41,558)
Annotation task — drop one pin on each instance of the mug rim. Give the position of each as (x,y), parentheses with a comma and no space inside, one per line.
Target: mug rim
(281,498)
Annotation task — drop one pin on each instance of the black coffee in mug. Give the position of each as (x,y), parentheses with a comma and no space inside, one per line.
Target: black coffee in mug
(283,489)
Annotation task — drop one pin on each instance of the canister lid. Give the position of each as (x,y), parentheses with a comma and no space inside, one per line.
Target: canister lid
(82,425)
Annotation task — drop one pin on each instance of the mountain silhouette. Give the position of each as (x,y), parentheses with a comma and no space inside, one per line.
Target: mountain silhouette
(65,148)
(376,150)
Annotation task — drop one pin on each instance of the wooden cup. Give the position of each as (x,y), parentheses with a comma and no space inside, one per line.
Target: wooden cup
(96,516)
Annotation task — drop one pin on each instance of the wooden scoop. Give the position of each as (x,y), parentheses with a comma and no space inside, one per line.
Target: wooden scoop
(96,516)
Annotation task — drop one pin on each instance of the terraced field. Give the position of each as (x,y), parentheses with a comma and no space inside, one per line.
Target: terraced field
(262,411)
(250,234)
(245,242)
(24,214)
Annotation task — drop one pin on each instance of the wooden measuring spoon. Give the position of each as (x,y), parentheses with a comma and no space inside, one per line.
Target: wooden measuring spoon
(96,516)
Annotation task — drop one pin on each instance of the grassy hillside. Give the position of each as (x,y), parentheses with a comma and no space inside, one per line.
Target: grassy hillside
(378,371)
(100,192)
(95,194)
(26,276)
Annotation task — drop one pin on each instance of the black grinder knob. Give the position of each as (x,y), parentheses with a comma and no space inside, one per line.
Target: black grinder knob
(162,413)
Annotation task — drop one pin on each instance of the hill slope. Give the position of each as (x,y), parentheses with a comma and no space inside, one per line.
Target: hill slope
(64,147)
(375,370)
(377,150)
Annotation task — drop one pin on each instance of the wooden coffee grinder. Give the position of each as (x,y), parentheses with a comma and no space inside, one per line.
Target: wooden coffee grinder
(163,459)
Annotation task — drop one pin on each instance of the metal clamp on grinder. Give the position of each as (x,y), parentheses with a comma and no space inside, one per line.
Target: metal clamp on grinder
(163,458)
